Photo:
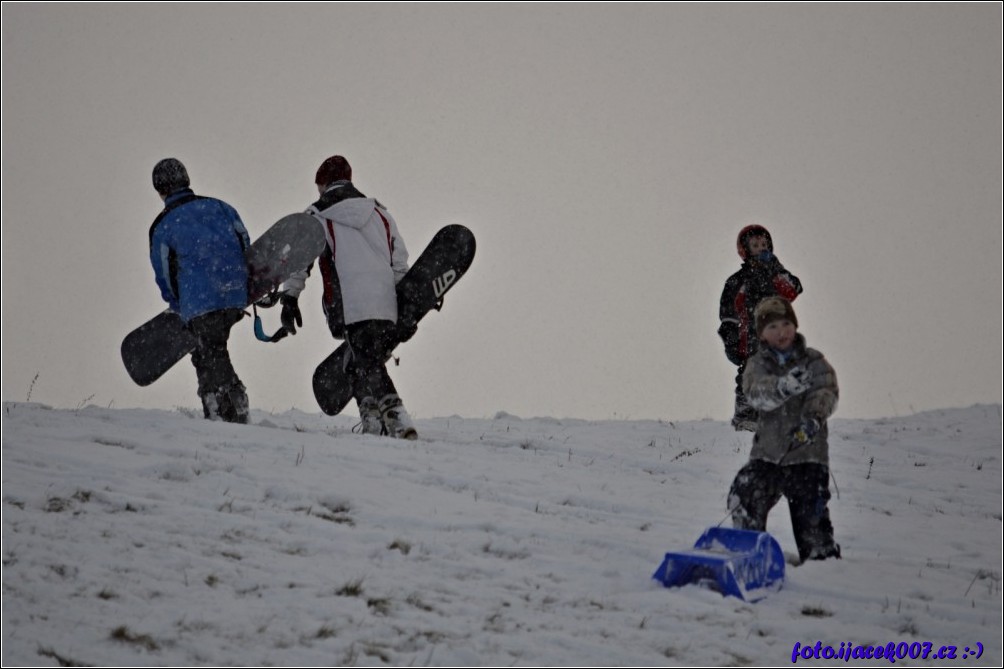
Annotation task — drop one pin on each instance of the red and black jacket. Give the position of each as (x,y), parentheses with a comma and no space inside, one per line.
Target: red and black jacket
(743,291)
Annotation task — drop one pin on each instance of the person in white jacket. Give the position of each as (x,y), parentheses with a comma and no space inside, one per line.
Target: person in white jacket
(364,259)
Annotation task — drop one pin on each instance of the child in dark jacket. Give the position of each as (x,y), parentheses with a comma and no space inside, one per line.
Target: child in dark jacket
(795,390)
(761,276)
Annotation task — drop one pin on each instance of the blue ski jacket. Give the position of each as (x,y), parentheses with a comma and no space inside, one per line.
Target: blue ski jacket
(197,249)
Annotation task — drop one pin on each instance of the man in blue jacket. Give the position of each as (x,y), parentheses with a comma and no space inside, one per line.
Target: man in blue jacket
(197,248)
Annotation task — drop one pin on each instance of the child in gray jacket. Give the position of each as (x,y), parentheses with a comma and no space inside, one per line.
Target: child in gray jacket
(795,390)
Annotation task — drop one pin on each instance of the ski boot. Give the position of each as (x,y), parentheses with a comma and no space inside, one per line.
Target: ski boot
(234,404)
(371,421)
(396,419)
(227,404)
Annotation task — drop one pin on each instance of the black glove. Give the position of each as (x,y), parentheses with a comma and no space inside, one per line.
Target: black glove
(290,316)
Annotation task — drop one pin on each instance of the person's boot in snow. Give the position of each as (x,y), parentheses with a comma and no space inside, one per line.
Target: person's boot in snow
(369,414)
(396,418)
(210,406)
(234,404)
(227,404)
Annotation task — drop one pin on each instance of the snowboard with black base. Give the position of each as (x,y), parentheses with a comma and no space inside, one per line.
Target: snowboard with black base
(447,258)
(287,247)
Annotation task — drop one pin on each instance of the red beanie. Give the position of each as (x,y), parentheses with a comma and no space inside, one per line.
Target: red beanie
(335,168)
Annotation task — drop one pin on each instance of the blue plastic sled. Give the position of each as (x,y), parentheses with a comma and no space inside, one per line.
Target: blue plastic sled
(741,563)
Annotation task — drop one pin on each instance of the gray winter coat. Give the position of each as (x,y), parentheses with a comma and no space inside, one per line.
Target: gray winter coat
(781,416)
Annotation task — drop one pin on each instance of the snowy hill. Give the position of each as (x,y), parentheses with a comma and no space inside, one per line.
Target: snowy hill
(137,537)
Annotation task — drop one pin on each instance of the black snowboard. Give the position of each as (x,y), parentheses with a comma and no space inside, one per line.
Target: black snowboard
(285,248)
(447,258)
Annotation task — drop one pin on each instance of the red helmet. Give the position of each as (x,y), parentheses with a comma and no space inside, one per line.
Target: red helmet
(742,241)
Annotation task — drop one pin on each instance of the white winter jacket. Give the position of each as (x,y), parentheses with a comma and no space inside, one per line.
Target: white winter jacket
(366,252)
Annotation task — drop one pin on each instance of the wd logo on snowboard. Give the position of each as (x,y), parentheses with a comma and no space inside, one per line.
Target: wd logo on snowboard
(441,284)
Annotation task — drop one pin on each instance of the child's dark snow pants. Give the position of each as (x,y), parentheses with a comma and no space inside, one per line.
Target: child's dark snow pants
(759,486)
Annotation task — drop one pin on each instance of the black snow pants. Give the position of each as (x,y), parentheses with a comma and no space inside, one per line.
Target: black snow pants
(759,485)
(742,406)
(372,343)
(220,388)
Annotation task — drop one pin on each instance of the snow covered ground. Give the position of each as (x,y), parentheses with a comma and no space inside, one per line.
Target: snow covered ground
(138,537)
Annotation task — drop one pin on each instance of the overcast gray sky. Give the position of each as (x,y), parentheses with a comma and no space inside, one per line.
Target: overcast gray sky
(605,156)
